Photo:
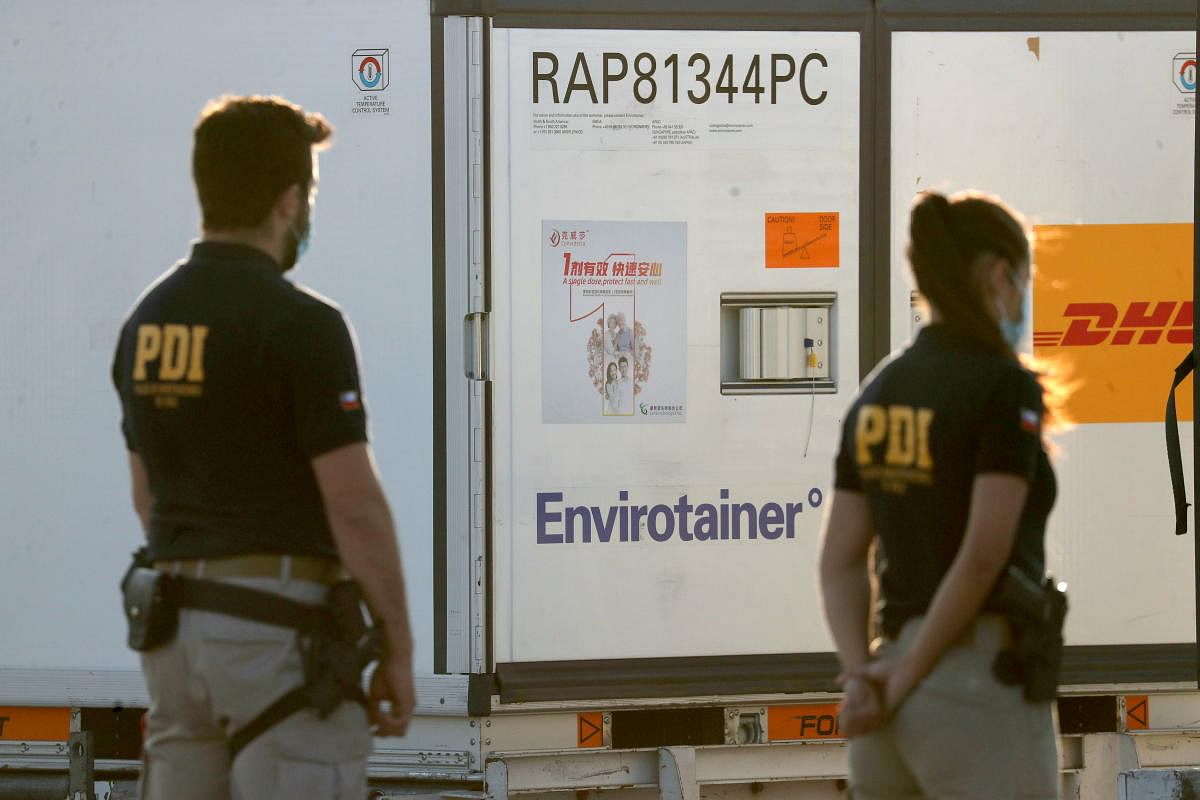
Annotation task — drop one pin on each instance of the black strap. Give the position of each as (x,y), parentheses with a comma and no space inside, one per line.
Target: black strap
(1174,458)
(275,713)
(272,609)
(238,601)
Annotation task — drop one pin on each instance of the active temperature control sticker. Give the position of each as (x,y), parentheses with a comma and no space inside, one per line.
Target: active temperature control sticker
(798,240)
(1183,73)
(370,70)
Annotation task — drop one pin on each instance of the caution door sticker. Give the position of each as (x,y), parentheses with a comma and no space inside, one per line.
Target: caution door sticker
(589,729)
(795,723)
(801,239)
(19,724)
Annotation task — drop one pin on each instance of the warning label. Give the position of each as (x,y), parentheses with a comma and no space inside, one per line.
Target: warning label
(1137,712)
(802,239)
(589,730)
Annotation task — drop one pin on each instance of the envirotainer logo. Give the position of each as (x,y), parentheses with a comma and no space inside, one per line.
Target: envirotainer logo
(370,70)
(1113,310)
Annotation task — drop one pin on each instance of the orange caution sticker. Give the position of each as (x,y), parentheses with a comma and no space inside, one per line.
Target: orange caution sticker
(802,239)
(21,724)
(1112,315)
(795,723)
(589,729)
(1137,712)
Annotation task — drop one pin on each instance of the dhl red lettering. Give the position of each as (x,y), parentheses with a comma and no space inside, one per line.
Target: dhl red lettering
(1096,324)
(1181,328)
(1139,316)
(1080,332)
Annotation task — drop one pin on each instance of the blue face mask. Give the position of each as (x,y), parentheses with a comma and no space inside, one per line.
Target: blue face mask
(303,240)
(1013,330)
(299,241)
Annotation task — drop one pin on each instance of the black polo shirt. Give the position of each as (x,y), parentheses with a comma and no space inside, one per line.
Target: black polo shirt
(231,380)
(926,423)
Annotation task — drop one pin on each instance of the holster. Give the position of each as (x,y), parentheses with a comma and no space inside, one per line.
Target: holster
(150,610)
(337,640)
(335,654)
(334,651)
(1036,614)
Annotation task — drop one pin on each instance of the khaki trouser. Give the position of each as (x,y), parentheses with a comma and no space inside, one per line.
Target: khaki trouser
(214,678)
(960,734)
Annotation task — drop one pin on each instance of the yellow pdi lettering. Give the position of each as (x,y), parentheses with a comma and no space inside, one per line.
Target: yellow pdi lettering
(177,349)
(904,428)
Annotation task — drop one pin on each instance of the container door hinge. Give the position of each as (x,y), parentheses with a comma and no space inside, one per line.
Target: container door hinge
(477,346)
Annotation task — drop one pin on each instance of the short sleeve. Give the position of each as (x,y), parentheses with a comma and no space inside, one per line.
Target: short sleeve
(120,367)
(322,364)
(845,466)
(1011,434)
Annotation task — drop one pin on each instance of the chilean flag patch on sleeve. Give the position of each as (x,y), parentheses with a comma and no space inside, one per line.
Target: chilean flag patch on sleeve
(1030,422)
(350,401)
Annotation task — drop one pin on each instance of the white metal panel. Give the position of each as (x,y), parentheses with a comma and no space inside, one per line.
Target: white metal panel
(96,200)
(672,598)
(464,439)
(750,320)
(817,328)
(1083,131)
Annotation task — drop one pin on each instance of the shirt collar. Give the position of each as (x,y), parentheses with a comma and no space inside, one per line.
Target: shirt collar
(231,252)
(940,334)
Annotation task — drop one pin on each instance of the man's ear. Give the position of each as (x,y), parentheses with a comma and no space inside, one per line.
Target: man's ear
(287,205)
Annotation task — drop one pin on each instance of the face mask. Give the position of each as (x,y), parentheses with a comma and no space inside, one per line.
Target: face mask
(297,240)
(1013,330)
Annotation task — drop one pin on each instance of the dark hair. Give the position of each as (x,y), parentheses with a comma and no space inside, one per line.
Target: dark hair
(247,151)
(946,237)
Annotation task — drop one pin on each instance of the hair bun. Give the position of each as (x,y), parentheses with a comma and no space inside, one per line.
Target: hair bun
(929,203)
(932,222)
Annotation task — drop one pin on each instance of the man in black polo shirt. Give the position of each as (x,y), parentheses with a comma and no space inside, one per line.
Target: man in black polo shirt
(247,439)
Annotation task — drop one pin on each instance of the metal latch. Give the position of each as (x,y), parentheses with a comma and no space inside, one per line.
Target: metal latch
(476,346)
(82,766)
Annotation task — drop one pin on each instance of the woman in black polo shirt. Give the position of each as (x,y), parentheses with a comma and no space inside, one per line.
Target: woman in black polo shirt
(942,464)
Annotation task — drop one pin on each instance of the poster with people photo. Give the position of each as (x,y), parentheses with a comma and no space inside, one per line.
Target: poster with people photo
(614,321)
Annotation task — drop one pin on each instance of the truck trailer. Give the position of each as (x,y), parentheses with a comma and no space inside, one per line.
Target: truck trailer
(617,270)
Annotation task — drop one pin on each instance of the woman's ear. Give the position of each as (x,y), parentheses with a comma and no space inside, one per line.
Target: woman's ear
(997,275)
